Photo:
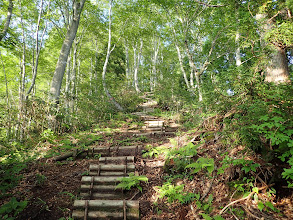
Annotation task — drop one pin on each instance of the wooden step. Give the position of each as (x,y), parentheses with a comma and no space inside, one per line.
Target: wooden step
(117,160)
(78,214)
(155,133)
(111,169)
(154,124)
(104,195)
(99,188)
(113,151)
(149,118)
(100,180)
(105,209)
(146,129)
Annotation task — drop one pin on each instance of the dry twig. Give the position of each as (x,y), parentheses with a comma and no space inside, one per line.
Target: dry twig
(242,199)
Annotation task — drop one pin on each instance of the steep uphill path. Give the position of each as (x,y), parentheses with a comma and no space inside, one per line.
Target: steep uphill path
(99,197)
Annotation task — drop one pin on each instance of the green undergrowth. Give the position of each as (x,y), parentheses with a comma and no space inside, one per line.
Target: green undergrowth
(132,181)
(196,161)
(15,155)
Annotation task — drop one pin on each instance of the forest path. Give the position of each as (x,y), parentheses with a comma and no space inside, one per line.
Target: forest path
(100,198)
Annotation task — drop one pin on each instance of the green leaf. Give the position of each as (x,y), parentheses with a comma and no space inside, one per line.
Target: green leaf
(210,199)
(255,189)
(246,194)
(260,205)
(206,216)
(270,205)
(218,217)
(197,196)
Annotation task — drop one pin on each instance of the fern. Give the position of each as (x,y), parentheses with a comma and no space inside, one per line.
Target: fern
(202,163)
(131,182)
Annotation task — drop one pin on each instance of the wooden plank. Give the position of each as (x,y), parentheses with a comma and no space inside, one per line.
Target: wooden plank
(118,151)
(99,188)
(107,173)
(133,204)
(154,124)
(102,196)
(77,214)
(120,159)
(112,167)
(150,129)
(100,180)
(155,133)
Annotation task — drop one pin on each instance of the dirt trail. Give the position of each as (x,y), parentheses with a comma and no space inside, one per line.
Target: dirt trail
(99,196)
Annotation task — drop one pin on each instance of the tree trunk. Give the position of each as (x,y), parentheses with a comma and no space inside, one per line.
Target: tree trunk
(194,70)
(8,19)
(277,70)
(180,59)
(91,78)
(96,67)
(72,89)
(38,48)
(237,52)
(181,65)
(237,37)
(117,105)
(127,63)
(156,47)
(67,43)
(21,106)
(68,76)
(136,65)
(8,132)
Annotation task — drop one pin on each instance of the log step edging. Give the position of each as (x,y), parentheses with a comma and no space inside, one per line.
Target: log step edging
(100,188)
(103,196)
(112,167)
(80,215)
(106,204)
(100,179)
(155,133)
(119,159)
(114,151)
(113,174)
(99,209)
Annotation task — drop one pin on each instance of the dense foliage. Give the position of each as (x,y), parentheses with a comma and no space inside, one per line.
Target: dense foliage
(228,61)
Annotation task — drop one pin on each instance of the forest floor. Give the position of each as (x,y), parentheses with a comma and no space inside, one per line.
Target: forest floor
(50,187)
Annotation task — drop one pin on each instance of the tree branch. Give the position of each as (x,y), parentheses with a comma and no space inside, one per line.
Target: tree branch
(208,5)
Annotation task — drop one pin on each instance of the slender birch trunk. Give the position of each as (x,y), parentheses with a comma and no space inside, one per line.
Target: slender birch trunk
(38,48)
(153,81)
(96,66)
(180,59)
(237,39)
(91,78)
(21,115)
(8,132)
(237,53)
(127,63)
(181,65)
(72,92)
(67,43)
(8,19)
(194,70)
(109,51)
(136,65)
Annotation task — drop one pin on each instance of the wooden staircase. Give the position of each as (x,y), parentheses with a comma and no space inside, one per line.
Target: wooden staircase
(100,199)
